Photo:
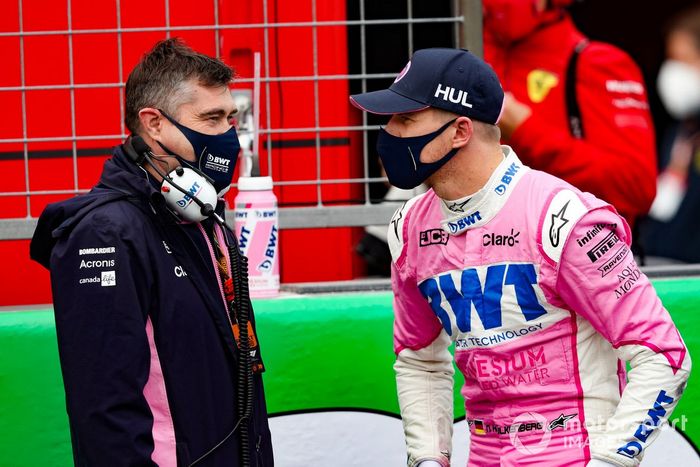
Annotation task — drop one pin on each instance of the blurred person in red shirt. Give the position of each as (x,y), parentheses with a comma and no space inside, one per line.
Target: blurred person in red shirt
(575,108)
(671,232)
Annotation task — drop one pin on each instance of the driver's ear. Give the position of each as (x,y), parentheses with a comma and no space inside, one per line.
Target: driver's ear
(465,129)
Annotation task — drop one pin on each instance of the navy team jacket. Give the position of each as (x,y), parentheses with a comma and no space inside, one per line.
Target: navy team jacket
(145,343)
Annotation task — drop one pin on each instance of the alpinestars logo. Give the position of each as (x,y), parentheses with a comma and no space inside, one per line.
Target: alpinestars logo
(558,221)
(457,207)
(560,422)
(395,220)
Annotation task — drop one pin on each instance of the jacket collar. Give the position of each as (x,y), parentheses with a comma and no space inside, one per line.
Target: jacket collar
(487,202)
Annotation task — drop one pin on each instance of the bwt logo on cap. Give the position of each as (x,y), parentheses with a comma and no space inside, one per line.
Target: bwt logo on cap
(448,94)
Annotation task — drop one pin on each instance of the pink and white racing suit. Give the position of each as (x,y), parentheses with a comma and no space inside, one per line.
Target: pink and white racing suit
(536,286)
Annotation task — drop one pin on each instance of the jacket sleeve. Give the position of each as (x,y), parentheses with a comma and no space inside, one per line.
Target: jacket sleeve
(101,288)
(599,280)
(618,140)
(424,370)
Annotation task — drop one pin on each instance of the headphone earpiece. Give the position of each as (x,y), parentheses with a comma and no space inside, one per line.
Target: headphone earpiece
(136,149)
(141,148)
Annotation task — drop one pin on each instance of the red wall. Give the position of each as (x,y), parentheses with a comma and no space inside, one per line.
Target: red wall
(96,60)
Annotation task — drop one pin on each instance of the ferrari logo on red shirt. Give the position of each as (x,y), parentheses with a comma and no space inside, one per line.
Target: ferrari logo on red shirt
(539,83)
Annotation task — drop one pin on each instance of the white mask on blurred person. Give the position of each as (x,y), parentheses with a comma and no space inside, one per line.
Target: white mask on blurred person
(679,88)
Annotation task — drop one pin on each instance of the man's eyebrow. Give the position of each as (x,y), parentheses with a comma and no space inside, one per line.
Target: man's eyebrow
(218,112)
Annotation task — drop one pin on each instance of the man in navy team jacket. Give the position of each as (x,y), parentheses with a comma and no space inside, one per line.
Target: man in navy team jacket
(141,297)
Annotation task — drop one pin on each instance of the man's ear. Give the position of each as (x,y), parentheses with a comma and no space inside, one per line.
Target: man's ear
(465,129)
(151,122)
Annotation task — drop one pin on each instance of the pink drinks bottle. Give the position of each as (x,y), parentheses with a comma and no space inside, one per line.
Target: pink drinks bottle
(258,234)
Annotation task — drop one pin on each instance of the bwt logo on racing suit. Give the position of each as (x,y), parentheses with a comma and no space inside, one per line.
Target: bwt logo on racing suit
(507,178)
(486,297)
(193,191)
(464,222)
(634,448)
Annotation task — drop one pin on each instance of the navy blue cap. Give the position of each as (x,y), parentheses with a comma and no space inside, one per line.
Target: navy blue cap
(450,79)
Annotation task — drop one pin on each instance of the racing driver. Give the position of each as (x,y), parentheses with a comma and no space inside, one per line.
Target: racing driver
(532,279)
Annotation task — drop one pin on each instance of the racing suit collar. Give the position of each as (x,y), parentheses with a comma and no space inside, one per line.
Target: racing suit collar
(488,201)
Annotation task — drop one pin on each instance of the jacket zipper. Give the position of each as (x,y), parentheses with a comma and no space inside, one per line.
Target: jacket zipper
(257,452)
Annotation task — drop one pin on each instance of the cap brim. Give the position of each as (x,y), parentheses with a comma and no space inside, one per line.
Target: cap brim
(386,102)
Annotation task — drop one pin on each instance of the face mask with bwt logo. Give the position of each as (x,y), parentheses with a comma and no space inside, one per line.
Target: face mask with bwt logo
(216,155)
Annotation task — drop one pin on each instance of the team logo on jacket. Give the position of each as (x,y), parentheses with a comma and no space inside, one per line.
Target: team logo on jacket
(510,239)
(560,422)
(559,220)
(615,261)
(507,177)
(433,237)
(193,191)
(539,83)
(591,234)
(464,222)
(485,297)
(396,219)
(603,247)
(626,279)
(108,279)
(561,216)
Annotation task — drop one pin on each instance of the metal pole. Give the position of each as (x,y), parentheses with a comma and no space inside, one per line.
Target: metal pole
(472,30)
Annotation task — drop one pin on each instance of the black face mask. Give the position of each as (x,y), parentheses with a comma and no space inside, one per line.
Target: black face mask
(216,155)
(401,157)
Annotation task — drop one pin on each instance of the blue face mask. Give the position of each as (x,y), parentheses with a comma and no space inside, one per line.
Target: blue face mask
(216,155)
(401,157)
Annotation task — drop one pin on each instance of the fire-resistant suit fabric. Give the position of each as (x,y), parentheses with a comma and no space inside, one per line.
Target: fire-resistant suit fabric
(535,284)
